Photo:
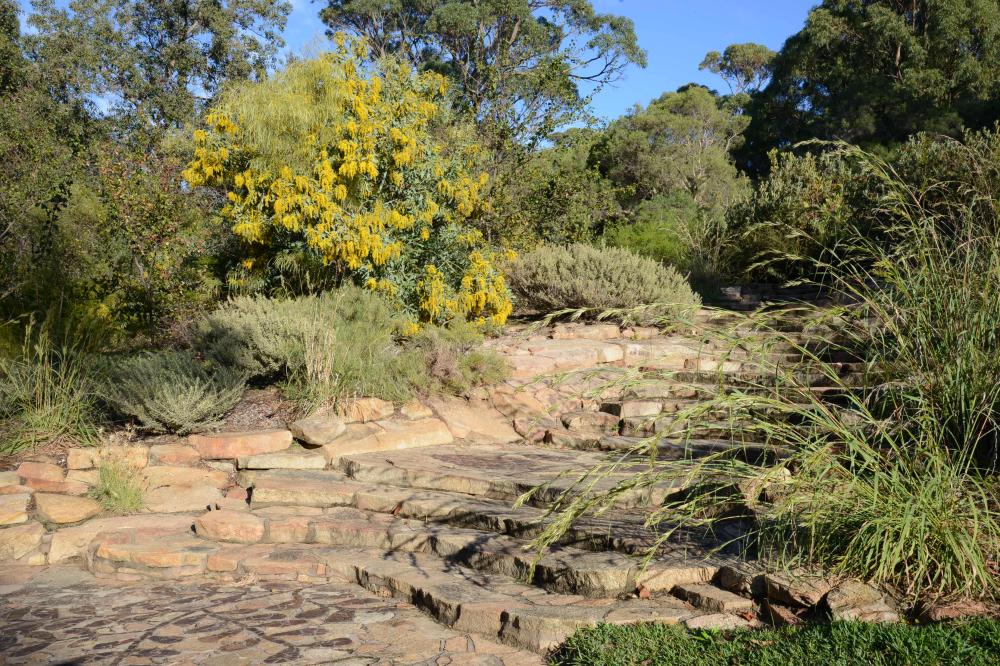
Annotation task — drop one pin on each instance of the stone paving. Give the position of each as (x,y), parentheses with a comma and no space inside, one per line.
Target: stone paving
(62,615)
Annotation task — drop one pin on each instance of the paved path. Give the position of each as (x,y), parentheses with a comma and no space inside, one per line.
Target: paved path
(62,615)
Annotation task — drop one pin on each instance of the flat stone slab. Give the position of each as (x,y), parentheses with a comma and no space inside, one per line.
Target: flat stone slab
(388,436)
(283,460)
(65,508)
(14,508)
(18,541)
(180,499)
(235,445)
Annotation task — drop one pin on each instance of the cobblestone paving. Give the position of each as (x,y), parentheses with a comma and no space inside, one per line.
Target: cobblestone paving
(61,615)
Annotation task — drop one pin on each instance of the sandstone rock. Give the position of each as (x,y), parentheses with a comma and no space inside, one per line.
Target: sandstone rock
(474,420)
(89,476)
(227,466)
(711,598)
(173,454)
(231,526)
(63,487)
(956,610)
(64,508)
(796,588)
(414,409)
(779,616)
(71,542)
(16,542)
(284,460)
(717,622)
(176,475)
(591,422)
(641,332)
(9,479)
(530,366)
(367,409)
(238,444)
(80,458)
(232,504)
(632,408)
(237,492)
(181,499)
(388,436)
(854,600)
(16,489)
(41,471)
(585,332)
(14,508)
(318,430)
(739,581)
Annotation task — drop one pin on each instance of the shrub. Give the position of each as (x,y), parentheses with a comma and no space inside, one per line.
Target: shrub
(341,344)
(363,168)
(119,486)
(172,391)
(599,280)
(45,390)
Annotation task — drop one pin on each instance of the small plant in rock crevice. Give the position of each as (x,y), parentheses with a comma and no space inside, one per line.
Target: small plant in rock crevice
(119,486)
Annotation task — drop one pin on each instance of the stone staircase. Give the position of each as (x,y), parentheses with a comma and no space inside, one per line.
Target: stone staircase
(418,502)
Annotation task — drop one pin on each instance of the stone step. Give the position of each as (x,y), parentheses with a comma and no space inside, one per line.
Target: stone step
(669,449)
(486,604)
(767,380)
(562,569)
(503,472)
(618,530)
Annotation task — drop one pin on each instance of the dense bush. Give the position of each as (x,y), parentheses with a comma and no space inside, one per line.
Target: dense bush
(341,344)
(579,276)
(171,391)
(363,168)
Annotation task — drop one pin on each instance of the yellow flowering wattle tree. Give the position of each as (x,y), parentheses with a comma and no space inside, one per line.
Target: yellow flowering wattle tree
(363,168)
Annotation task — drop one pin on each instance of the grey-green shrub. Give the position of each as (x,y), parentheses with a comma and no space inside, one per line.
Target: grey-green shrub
(266,337)
(578,276)
(171,391)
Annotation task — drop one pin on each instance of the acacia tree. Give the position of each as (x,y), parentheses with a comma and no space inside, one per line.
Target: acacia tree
(156,63)
(522,68)
(363,169)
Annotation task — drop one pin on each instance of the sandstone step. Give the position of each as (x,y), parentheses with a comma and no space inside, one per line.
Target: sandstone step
(484,478)
(487,604)
(618,530)
(686,449)
(562,569)
(712,598)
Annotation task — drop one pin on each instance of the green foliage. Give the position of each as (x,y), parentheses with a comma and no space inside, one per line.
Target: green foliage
(874,73)
(679,143)
(516,64)
(339,345)
(559,195)
(46,392)
(580,276)
(745,67)
(171,391)
(841,643)
(119,486)
(266,337)
(155,61)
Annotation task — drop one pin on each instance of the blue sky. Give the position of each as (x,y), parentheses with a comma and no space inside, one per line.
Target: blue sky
(675,33)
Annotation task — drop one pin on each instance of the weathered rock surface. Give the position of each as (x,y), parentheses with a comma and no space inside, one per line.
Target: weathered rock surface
(318,430)
(180,499)
(14,508)
(231,526)
(240,444)
(65,508)
(173,454)
(17,542)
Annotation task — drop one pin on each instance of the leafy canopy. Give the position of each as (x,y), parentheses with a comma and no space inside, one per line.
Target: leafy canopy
(156,62)
(522,68)
(873,72)
(360,167)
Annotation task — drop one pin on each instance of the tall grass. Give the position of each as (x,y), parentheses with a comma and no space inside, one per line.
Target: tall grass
(45,390)
(890,475)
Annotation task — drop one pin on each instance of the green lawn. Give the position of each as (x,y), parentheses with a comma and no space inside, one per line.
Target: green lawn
(839,644)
